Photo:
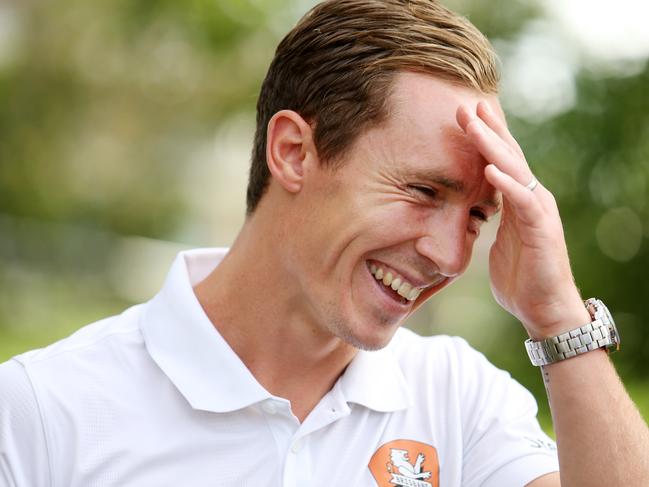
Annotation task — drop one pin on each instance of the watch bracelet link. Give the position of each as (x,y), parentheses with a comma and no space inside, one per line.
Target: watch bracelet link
(570,344)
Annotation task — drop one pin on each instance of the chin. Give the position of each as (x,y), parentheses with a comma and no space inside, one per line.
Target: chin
(370,341)
(365,330)
(369,345)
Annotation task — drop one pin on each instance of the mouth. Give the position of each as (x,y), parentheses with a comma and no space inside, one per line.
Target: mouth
(396,286)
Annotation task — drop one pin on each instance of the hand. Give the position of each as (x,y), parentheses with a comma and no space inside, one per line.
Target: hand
(528,263)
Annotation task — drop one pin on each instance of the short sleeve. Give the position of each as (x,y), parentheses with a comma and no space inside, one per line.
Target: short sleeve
(503,441)
(23,451)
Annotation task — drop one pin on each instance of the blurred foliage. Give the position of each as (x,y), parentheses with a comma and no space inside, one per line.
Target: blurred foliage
(103,106)
(105,97)
(106,104)
(596,159)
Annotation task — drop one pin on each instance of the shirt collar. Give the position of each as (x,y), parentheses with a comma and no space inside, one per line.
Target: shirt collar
(375,380)
(187,347)
(191,352)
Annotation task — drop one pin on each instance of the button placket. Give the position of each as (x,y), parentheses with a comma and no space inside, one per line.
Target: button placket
(297,467)
(297,445)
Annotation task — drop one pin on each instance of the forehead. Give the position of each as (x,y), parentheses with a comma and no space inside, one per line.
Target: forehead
(421,136)
(426,104)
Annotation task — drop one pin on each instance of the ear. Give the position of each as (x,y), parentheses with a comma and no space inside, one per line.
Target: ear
(289,146)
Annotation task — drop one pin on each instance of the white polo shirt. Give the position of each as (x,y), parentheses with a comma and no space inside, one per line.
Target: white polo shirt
(155,397)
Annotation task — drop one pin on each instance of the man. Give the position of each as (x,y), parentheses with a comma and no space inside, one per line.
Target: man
(380,151)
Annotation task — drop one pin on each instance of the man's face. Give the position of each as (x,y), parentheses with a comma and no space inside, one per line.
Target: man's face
(402,212)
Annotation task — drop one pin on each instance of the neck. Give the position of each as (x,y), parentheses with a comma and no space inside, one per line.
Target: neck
(253,303)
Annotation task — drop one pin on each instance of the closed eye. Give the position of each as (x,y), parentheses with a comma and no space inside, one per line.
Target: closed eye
(426,191)
(479,214)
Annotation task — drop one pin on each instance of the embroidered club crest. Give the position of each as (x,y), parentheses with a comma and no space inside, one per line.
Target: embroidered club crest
(405,463)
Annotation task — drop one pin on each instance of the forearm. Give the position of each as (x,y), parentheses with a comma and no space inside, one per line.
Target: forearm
(601,437)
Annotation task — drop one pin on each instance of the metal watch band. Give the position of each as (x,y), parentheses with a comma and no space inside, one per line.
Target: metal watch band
(570,344)
(601,332)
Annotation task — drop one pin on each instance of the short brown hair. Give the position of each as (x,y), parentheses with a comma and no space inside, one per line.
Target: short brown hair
(335,68)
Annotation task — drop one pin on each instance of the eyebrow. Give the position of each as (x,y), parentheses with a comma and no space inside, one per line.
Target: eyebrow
(449,183)
(495,204)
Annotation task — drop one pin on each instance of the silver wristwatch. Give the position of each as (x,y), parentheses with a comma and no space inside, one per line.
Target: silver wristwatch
(599,333)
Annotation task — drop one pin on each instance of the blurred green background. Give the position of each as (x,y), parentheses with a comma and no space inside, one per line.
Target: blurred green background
(126,127)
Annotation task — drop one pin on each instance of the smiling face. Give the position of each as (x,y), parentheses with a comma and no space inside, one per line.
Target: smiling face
(396,222)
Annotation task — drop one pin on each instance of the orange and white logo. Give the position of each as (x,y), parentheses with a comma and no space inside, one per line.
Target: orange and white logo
(405,463)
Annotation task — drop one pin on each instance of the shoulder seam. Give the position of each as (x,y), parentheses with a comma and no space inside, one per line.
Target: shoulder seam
(36,360)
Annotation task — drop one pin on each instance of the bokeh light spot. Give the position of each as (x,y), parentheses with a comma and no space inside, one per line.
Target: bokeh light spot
(619,234)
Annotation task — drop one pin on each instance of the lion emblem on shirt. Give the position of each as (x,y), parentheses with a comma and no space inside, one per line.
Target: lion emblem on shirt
(399,460)
(405,463)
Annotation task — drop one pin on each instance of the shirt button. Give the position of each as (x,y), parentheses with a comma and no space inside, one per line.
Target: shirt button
(269,407)
(297,446)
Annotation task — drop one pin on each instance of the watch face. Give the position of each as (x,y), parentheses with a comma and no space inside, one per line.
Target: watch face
(602,312)
(615,335)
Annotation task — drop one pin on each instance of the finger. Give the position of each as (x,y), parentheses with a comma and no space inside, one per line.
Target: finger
(463,117)
(497,152)
(498,124)
(507,157)
(527,206)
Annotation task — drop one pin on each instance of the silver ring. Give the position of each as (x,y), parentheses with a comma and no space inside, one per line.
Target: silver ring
(532,184)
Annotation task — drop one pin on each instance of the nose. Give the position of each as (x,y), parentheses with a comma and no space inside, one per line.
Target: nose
(447,245)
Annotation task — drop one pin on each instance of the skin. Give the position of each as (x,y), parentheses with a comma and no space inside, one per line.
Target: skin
(410,194)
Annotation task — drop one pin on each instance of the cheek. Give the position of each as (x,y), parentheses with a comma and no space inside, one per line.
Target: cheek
(389,229)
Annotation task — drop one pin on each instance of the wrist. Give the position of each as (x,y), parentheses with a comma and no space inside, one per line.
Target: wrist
(571,319)
(555,343)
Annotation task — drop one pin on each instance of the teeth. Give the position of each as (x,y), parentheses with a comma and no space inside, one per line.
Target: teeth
(387,279)
(414,294)
(397,283)
(404,290)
